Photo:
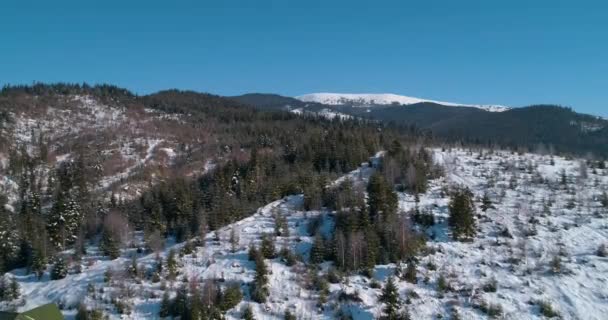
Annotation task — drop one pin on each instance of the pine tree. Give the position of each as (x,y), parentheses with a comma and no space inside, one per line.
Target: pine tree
(317,252)
(267,248)
(39,262)
(390,298)
(234,240)
(382,200)
(252,253)
(171,265)
(180,303)
(248,313)
(109,245)
(165,305)
(9,239)
(132,268)
(462,215)
(259,293)
(410,273)
(231,297)
(196,307)
(60,270)
(64,220)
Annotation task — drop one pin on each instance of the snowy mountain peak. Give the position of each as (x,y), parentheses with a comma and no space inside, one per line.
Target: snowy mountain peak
(369,99)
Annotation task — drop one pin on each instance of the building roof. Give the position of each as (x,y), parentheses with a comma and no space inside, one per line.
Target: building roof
(44,312)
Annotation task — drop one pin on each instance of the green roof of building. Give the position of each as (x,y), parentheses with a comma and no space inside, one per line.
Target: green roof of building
(45,312)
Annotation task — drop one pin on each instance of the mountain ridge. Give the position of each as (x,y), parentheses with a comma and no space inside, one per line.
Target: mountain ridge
(374,99)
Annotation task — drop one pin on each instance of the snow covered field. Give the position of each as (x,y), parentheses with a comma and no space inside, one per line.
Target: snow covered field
(536,248)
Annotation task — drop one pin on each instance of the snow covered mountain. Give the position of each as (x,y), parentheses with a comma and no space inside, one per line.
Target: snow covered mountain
(371,99)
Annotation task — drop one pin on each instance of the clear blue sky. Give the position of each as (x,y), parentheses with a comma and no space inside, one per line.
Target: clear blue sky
(506,52)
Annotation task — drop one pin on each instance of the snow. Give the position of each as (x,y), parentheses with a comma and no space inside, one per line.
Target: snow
(325,113)
(369,99)
(520,263)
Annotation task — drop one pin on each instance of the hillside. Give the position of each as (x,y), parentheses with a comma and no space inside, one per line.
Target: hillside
(533,128)
(188,205)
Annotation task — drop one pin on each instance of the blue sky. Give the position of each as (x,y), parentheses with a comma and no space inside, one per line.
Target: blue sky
(504,52)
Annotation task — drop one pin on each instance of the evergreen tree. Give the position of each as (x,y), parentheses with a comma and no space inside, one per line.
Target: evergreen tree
(14,289)
(267,248)
(248,313)
(179,306)
(259,293)
(171,265)
(132,268)
(82,313)
(317,251)
(9,239)
(109,245)
(410,273)
(462,215)
(390,298)
(59,270)
(231,297)
(39,263)
(234,240)
(196,308)
(165,305)
(382,200)
(64,220)
(252,253)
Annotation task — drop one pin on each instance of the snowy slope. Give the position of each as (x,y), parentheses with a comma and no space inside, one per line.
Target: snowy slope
(519,261)
(367,99)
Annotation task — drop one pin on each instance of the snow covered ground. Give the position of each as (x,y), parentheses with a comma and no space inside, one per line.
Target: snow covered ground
(537,219)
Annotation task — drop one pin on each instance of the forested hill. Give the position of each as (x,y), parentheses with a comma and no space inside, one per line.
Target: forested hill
(78,162)
(532,128)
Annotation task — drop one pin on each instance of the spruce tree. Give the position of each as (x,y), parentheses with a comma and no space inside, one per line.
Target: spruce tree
(267,248)
(231,297)
(248,313)
(60,269)
(317,251)
(252,253)
(259,293)
(196,308)
(410,273)
(462,215)
(9,239)
(234,240)
(165,305)
(171,265)
(390,298)
(382,200)
(39,262)
(180,303)
(109,245)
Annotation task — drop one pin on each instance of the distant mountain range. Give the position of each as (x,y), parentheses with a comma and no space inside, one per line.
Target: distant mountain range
(533,127)
(383,99)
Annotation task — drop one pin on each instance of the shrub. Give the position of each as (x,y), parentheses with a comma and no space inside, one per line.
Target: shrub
(490,286)
(546,309)
(602,251)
